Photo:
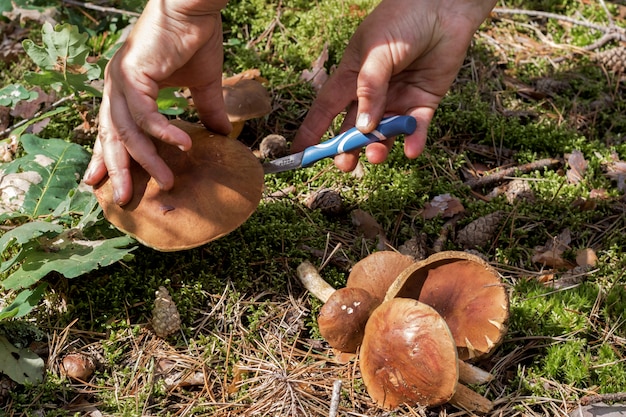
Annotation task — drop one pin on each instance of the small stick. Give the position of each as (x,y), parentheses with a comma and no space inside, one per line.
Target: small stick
(492,179)
(612,397)
(334,400)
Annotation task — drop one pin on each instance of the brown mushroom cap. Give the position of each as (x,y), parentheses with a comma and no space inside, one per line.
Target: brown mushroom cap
(466,291)
(343,317)
(218,185)
(408,355)
(245,99)
(377,271)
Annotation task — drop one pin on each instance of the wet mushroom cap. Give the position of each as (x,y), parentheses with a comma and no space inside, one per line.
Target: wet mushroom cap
(467,292)
(218,185)
(245,99)
(408,355)
(377,271)
(343,317)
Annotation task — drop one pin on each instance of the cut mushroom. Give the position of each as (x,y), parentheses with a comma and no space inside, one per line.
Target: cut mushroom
(245,99)
(466,291)
(409,356)
(218,185)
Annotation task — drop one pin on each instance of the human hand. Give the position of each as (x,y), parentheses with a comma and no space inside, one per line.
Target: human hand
(174,43)
(402,59)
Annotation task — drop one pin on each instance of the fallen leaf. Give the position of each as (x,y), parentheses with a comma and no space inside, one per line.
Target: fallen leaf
(369,227)
(444,205)
(317,75)
(13,189)
(551,253)
(586,257)
(577,167)
(37,14)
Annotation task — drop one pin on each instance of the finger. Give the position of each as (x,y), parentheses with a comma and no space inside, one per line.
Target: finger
(210,105)
(121,137)
(415,143)
(334,96)
(372,85)
(96,170)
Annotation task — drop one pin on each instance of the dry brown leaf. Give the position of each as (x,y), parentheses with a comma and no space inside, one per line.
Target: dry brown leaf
(369,227)
(317,75)
(444,205)
(39,15)
(586,257)
(616,170)
(551,254)
(28,109)
(577,167)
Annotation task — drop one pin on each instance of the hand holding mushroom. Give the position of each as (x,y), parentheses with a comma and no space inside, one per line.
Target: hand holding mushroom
(174,43)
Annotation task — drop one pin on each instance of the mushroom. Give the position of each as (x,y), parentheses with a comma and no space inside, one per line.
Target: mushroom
(244,99)
(343,316)
(218,185)
(466,291)
(377,271)
(345,311)
(409,356)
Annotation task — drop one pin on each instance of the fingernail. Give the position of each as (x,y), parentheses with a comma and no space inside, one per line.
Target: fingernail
(363,121)
(117,198)
(88,173)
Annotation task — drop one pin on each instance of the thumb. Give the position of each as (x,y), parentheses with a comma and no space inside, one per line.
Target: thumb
(371,90)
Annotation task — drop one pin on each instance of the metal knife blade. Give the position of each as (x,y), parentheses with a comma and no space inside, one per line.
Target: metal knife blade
(347,141)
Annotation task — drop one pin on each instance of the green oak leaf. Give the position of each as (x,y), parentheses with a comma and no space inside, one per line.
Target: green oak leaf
(20,364)
(35,184)
(62,59)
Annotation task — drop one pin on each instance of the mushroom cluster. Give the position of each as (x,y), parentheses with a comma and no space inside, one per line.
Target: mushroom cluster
(415,324)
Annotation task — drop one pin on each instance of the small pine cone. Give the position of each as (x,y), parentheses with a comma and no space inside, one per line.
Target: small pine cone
(165,317)
(613,59)
(415,247)
(327,200)
(273,146)
(7,385)
(480,231)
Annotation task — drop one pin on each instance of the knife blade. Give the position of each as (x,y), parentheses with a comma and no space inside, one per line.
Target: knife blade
(347,141)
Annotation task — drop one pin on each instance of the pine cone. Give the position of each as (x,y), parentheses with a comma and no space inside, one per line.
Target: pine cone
(327,200)
(165,317)
(613,59)
(273,146)
(480,231)
(7,385)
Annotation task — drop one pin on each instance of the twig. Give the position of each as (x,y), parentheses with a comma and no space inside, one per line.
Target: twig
(334,400)
(613,397)
(548,15)
(101,8)
(492,179)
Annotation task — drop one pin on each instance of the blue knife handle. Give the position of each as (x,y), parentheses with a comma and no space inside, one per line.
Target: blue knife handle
(354,139)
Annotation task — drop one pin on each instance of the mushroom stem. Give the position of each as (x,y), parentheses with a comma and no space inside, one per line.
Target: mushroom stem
(470,374)
(466,399)
(312,281)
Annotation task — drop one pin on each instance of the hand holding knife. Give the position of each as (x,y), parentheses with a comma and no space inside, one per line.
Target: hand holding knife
(346,141)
